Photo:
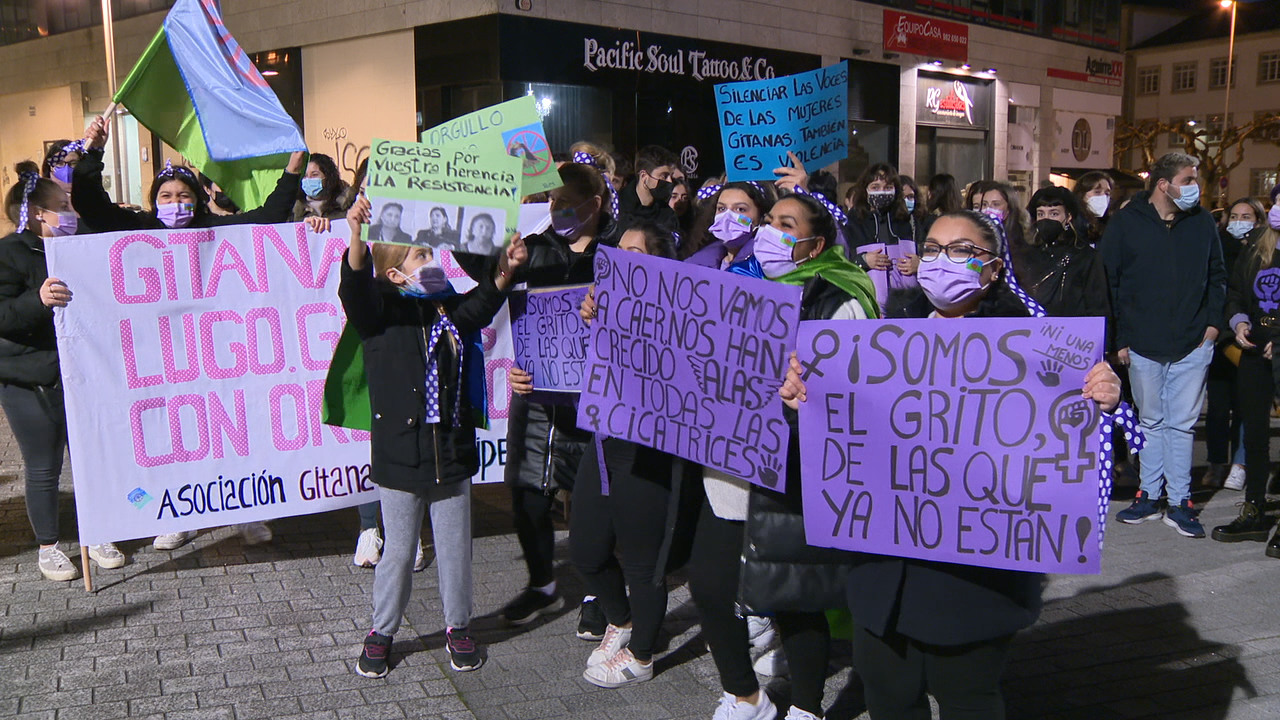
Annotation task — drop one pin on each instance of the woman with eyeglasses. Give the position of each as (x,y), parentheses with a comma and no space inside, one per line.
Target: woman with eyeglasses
(177,199)
(929,628)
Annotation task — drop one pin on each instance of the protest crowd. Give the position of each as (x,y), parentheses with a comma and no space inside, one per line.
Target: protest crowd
(1190,302)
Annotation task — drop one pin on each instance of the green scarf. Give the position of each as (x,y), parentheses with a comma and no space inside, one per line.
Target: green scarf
(833,267)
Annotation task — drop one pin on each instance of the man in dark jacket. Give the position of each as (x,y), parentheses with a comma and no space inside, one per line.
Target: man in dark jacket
(647,197)
(1168,292)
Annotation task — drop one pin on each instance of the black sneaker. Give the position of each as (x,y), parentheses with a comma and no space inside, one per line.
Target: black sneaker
(529,604)
(1251,524)
(464,653)
(1144,508)
(591,621)
(373,660)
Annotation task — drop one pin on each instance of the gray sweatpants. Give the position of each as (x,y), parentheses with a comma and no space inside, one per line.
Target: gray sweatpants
(450,534)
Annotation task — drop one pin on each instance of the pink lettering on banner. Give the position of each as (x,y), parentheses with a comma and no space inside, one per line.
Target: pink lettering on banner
(221,425)
(176,434)
(170,275)
(332,256)
(276,336)
(150,278)
(140,455)
(490,338)
(300,264)
(315,406)
(192,240)
(451,267)
(303,313)
(131,360)
(189,342)
(211,367)
(228,258)
(495,369)
(298,396)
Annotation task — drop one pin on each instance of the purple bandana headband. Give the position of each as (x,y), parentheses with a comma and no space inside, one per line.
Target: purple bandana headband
(59,156)
(170,171)
(706,191)
(585,158)
(28,186)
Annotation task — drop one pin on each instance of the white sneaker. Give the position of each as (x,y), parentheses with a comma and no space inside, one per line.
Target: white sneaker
(255,533)
(796,713)
(368,548)
(760,631)
(55,564)
(621,669)
(615,639)
(107,555)
(1235,478)
(419,560)
(173,541)
(731,709)
(772,664)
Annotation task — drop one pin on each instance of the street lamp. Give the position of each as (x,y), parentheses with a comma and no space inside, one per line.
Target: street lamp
(1231,55)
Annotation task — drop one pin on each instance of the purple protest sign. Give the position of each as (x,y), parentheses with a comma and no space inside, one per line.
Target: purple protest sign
(891,279)
(688,360)
(964,442)
(549,336)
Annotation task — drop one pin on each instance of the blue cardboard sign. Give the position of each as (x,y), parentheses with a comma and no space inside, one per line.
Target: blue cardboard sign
(761,120)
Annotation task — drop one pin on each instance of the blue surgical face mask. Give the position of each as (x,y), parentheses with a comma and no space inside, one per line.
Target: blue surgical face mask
(312,186)
(1239,228)
(911,204)
(1188,198)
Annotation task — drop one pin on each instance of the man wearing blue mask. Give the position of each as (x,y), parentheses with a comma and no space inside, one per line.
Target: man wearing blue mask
(1168,293)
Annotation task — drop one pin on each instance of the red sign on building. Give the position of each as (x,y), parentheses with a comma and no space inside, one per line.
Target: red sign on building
(920,35)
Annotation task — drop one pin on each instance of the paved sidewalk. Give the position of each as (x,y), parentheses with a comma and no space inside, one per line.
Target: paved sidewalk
(1173,628)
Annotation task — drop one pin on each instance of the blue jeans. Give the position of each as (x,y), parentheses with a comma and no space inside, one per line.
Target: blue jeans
(1168,396)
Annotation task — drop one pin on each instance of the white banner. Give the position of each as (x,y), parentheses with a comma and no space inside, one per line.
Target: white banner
(193,363)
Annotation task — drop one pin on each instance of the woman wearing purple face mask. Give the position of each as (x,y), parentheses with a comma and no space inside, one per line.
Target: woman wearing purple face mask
(1001,201)
(725,224)
(777,575)
(544,444)
(931,628)
(30,391)
(177,199)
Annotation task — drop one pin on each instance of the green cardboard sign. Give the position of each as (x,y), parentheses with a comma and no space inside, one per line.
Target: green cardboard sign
(514,126)
(426,183)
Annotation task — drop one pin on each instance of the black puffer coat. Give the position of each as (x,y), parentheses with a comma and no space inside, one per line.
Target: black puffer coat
(544,444)
(28,346)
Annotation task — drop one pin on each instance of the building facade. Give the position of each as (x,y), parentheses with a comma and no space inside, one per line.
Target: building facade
(1180,75)
(934,86)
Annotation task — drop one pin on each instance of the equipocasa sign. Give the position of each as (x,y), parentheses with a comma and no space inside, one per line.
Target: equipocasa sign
(655,59)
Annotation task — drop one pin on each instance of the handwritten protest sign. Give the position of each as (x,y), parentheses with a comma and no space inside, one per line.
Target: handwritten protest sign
(688,360)
(958,441)
(513,127)
(446,199)
(891,279)
(549,336)
(193,363)
(761,120)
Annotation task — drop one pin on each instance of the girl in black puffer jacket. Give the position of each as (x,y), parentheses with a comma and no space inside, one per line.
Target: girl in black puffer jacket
(544,444)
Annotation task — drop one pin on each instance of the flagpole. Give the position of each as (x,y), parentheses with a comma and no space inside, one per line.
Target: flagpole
(109,41)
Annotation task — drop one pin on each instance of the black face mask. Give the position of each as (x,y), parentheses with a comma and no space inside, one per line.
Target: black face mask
(221,200)
(1049,231)
(662,191)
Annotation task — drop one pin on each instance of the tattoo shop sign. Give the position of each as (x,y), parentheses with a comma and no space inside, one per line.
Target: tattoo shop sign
(963,442)
(688,360)
(193,363)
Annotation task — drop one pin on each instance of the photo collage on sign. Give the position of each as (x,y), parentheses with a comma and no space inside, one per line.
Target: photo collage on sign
(437,225)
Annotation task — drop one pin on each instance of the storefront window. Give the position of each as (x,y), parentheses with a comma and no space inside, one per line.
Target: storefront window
(22,20)
(570,113)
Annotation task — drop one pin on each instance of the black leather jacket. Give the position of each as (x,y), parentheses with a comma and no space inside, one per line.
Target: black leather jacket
(544,444)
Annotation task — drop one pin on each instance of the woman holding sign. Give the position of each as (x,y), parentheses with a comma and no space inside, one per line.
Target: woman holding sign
(940,628)
(725,224)
(773,572)
(30,382)
(425,372)
(881,229)
(544,444)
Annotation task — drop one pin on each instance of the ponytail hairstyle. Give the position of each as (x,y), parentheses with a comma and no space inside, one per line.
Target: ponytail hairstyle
(30,190)
(706,200)
(185,176)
